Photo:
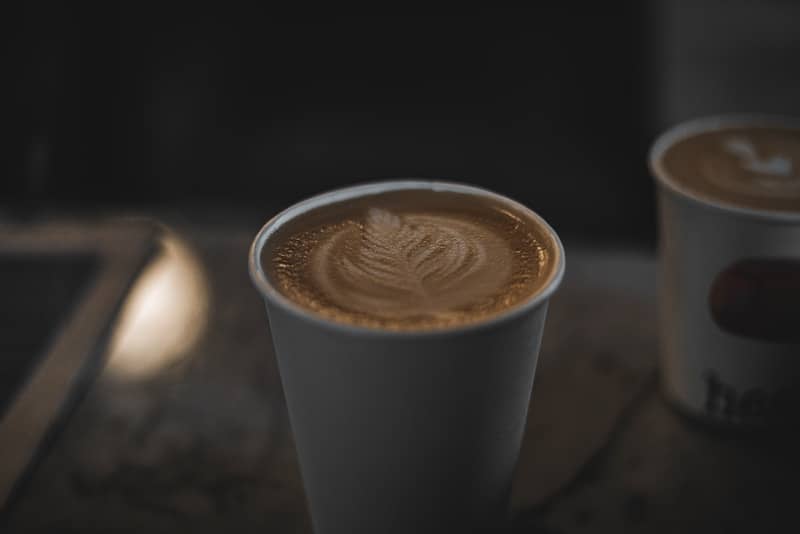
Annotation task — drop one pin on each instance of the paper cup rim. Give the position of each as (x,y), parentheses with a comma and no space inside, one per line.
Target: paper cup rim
(275,297)
(696,126)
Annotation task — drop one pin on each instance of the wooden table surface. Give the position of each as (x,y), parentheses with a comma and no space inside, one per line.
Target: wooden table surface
(203,443)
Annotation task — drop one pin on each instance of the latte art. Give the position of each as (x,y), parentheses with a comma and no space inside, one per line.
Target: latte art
(412,260)
(753,166)
(755,175)
(392,264)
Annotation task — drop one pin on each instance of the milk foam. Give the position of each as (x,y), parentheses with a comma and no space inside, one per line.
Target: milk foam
(394,265)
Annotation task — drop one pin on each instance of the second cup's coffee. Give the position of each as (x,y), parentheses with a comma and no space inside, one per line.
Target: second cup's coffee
(411,260)
(748,165)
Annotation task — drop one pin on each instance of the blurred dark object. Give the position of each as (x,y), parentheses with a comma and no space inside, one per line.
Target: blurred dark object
(61,286)
(39,291)
(757,298)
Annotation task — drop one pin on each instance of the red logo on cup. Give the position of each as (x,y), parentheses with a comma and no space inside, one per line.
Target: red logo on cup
(758,298)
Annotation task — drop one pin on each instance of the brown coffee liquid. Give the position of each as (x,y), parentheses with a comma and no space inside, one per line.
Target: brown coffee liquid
(411,260)
(751,166)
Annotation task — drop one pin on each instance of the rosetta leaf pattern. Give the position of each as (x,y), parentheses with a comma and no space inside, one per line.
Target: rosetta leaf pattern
(411,256)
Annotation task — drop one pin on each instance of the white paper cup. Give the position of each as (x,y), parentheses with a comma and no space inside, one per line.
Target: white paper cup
(405,432)
(730,350)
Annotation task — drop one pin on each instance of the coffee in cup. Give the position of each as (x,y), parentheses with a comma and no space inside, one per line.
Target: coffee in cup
(411,260)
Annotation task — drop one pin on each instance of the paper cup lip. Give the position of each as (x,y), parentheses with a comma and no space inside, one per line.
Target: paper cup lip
(695,126)
(275,297)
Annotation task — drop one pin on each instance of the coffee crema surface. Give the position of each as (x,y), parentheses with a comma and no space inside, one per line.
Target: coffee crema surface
(411,259)
(751,165)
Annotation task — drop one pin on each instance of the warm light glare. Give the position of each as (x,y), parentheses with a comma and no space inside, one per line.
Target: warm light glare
(164,314)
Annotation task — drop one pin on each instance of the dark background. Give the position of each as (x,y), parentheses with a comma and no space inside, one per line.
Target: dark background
(123,106)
